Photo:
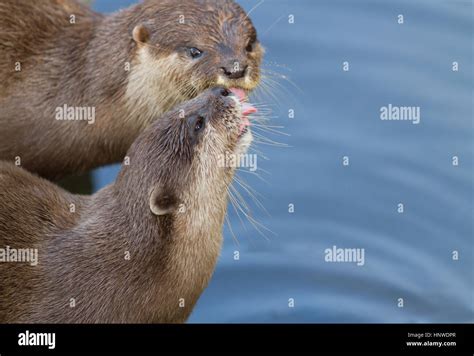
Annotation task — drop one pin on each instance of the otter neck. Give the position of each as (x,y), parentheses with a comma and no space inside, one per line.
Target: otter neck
(108,63)
(179,254)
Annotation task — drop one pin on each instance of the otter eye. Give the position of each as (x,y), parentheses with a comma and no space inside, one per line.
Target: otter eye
(249,47)
(199,124)
(194,52)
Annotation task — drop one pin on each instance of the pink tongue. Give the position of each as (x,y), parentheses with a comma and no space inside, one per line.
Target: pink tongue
(239,93)
(246,108)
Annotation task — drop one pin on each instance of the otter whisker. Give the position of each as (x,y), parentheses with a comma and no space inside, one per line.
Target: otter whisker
(269,126)
(263,171)
(267,141)
(263,132)
(235,205)
(259,153)
(269,83)
(252,193)
(257,225)
(267,88)
(242,203)
(268,129)
(234,238)
(262,109)
(248,188)
(253,173)
(277,85)
(252,9)
(264,142)
(263,119)
(275,64)
(263,113)
(273,24)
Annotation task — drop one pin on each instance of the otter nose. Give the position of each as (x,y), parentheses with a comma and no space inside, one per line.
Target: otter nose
(235,71)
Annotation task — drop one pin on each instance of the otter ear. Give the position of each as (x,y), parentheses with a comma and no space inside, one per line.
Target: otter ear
(162,201)
(140,34)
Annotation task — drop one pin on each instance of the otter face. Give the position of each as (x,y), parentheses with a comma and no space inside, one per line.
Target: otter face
(195,139)
(188,46)
(217,124)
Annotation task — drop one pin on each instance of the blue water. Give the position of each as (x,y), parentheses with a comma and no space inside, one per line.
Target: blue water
(408,255)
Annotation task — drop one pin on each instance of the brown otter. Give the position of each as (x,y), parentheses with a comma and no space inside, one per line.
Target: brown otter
(165,212)
(78,87)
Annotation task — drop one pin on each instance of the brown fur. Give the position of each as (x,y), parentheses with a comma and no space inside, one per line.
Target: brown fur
(81,255)
(83,65)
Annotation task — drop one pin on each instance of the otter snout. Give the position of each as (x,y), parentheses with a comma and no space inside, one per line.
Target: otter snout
(228,97)
(235,70)
(225,110)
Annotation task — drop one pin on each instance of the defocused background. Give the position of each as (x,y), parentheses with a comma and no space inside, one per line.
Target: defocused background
(408,255)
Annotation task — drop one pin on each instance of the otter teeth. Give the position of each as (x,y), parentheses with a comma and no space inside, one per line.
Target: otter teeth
(246,109)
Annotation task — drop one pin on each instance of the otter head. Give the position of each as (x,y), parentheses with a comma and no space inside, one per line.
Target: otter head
(183,161)
(185,47)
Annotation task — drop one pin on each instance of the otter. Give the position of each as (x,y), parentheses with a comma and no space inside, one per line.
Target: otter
(138,251)
(78,87)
